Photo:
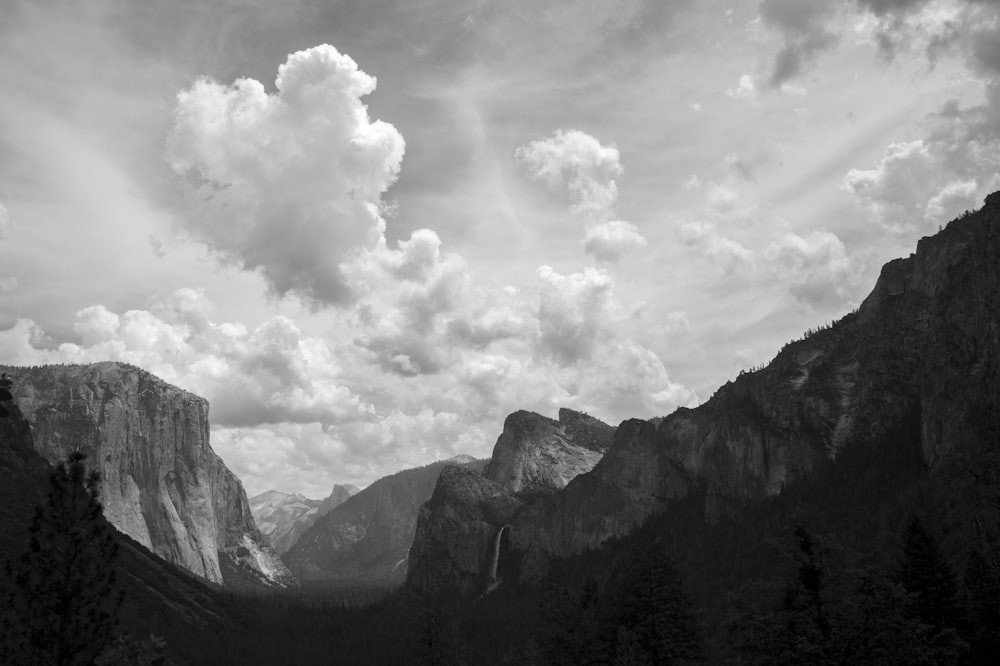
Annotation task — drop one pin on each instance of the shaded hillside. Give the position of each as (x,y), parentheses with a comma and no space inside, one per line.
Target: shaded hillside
(368,537)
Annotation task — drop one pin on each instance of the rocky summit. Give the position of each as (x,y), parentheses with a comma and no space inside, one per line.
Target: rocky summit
(459,529)
(162,484)
(282,517)
(919,349)
(535,453)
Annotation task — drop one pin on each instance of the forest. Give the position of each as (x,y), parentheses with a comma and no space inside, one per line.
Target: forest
(871,561)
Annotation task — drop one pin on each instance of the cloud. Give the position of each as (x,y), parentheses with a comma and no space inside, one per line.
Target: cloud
(816,268)
(587,169)
(429,285)
(746,89)
(891,191)
(580,163)
(8,283)
(290,410)
(803,25)
(897,25)
(954,197)
(4,222)
(311,457)
(884,7)
(271,374)
(728,254)
(918,184)
(609,241)
(289,183)
(575,313)
(739,167)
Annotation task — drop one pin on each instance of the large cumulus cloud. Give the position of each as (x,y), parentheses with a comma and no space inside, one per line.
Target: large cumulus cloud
(580,164)
(291,181)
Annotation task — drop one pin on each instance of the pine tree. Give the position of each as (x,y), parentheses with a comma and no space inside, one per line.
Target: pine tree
(982,583)
(653,612)
(797,629)
(931,597)
(64,596)
(928,579)
(435,641)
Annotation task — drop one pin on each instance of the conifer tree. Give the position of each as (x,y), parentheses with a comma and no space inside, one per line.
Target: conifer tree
(64,595)
(434,641)
(982,583)
(652,612)
(931,597)
(928,579)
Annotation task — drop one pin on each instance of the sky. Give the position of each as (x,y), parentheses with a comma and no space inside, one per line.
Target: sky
(366,231)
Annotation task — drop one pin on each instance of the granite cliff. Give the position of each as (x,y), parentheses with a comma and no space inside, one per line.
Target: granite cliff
(535,453)
(919,349)
(460,529)
(367,538)
(159,596)
(282,517)
(163,485)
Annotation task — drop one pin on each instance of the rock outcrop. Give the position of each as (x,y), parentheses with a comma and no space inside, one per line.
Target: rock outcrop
(282,517)
(368,537)
(921,346)
(535,453)
(162,484)
(458,530)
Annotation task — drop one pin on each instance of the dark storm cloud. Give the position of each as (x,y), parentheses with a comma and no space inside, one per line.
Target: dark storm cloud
(986,51)
(803,23)
(886,7)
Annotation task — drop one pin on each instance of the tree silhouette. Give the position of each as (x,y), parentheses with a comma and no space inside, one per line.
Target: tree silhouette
(928,579)
(64,596)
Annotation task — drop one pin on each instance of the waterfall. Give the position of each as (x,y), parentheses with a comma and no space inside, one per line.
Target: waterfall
(494,581)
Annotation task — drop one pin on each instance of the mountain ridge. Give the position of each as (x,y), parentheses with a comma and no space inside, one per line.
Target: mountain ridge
(283,517)
(367,538)
(924,341)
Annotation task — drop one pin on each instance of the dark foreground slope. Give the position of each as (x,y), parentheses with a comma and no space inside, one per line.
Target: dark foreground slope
(159,597)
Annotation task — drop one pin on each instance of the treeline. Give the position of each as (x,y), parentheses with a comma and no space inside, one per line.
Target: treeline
(837,569)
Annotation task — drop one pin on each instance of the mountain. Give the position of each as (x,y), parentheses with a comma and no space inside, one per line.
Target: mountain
(459,530)
(367,538)
(159,596)
(282,518)
(162,484)
(535,453)
(919,350)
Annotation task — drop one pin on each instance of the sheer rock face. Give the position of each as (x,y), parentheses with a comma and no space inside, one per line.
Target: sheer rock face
(162,484)
(368,537)
(282,517)
(533,458)
(535,453)
(924,344)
